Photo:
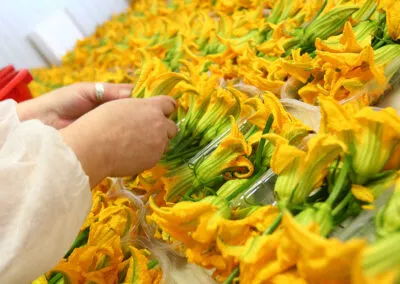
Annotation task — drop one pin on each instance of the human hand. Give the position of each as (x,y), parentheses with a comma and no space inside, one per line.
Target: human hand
(63,106)
(123,137)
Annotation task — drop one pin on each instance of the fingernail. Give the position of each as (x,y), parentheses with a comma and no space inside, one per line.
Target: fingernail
(125,93)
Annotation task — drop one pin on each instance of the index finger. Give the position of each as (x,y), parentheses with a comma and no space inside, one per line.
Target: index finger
(111,91)
(167,104)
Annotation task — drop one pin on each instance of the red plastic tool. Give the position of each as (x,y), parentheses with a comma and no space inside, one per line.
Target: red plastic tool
(14,84)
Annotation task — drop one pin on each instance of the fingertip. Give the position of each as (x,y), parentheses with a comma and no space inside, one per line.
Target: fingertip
(172,129)
(166,98)
(167,104)
(125,93)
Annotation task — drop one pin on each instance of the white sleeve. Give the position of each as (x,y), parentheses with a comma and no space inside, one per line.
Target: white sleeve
(44,197)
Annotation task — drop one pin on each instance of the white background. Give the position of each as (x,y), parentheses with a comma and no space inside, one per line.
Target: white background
(19,18)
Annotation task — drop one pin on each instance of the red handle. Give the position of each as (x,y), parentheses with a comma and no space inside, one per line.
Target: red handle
(6,70)
(14,85)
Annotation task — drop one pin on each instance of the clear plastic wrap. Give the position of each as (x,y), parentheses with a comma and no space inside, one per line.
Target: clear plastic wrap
(260,192)
(308,114)
(243,127)
(172,263)
(146,241)
(363,225)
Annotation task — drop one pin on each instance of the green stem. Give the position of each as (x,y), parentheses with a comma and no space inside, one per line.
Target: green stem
(268,231)
(55,278)
(232,276)
(274,225)
(340,182)
(181,145)
(152,263)
(342,204)
(331,177)
(260,148)
(79,241)
(246,185)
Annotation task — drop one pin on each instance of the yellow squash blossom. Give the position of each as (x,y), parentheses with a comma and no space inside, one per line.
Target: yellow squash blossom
(299,67)
(148,181)
(258,115)
(150,67)
(370,135)
(237,232)
(347,61)
(252,250)
(137,272)
(117,220)
(191,222)
(196,225)
(178,181)
(393,19)
(320,259)
(284,123)
(264,258)
(258,261)
(210,258)
(347,42)
(265,75)
(97,263)
(310,92)
(300,172)
(257,257)
(199,102)
(215,120)
(163,83)
(230,154)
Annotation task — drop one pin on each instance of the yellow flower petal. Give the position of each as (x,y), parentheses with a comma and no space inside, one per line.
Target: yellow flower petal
(292,277)
(309,93)
(293,165)
(379,135)
(260,115)
(368,207)
(226,155)
(393,19)
(40,280)
(335,119)
(394,160)
(362,193)
(191,222)
(137,268)
(284,154)
(320,258)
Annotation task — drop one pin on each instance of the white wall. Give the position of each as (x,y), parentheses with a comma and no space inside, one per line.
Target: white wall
(19,18)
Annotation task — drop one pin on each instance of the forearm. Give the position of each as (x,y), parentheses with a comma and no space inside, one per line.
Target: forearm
(36,109)
(75,136)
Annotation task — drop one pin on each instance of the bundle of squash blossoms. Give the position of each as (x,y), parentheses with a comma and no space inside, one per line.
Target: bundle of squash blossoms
(248,190)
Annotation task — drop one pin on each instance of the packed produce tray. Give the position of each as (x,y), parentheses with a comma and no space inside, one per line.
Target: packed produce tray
(286,165)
